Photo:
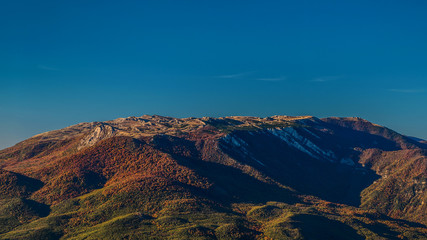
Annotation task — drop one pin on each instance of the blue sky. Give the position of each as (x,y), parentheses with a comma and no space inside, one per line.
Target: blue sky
(65,62)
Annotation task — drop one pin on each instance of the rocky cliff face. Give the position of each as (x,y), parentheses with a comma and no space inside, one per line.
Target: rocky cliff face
(216,178)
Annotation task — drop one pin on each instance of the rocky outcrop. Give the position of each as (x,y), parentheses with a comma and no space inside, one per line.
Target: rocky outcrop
(100,132)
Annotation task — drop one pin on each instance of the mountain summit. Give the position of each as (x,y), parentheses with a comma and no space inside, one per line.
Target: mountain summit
(154,177)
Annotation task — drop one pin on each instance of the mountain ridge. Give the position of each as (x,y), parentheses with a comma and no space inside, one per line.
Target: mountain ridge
(295,170)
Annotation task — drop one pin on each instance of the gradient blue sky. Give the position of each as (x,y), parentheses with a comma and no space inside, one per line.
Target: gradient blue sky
(65,62)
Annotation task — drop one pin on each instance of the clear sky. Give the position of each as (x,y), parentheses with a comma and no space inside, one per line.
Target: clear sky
(65,62)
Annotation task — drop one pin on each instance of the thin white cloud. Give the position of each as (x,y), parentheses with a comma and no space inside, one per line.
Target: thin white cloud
(326,79)
(236,75)
(406,90)
(48,68)
(277,79)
